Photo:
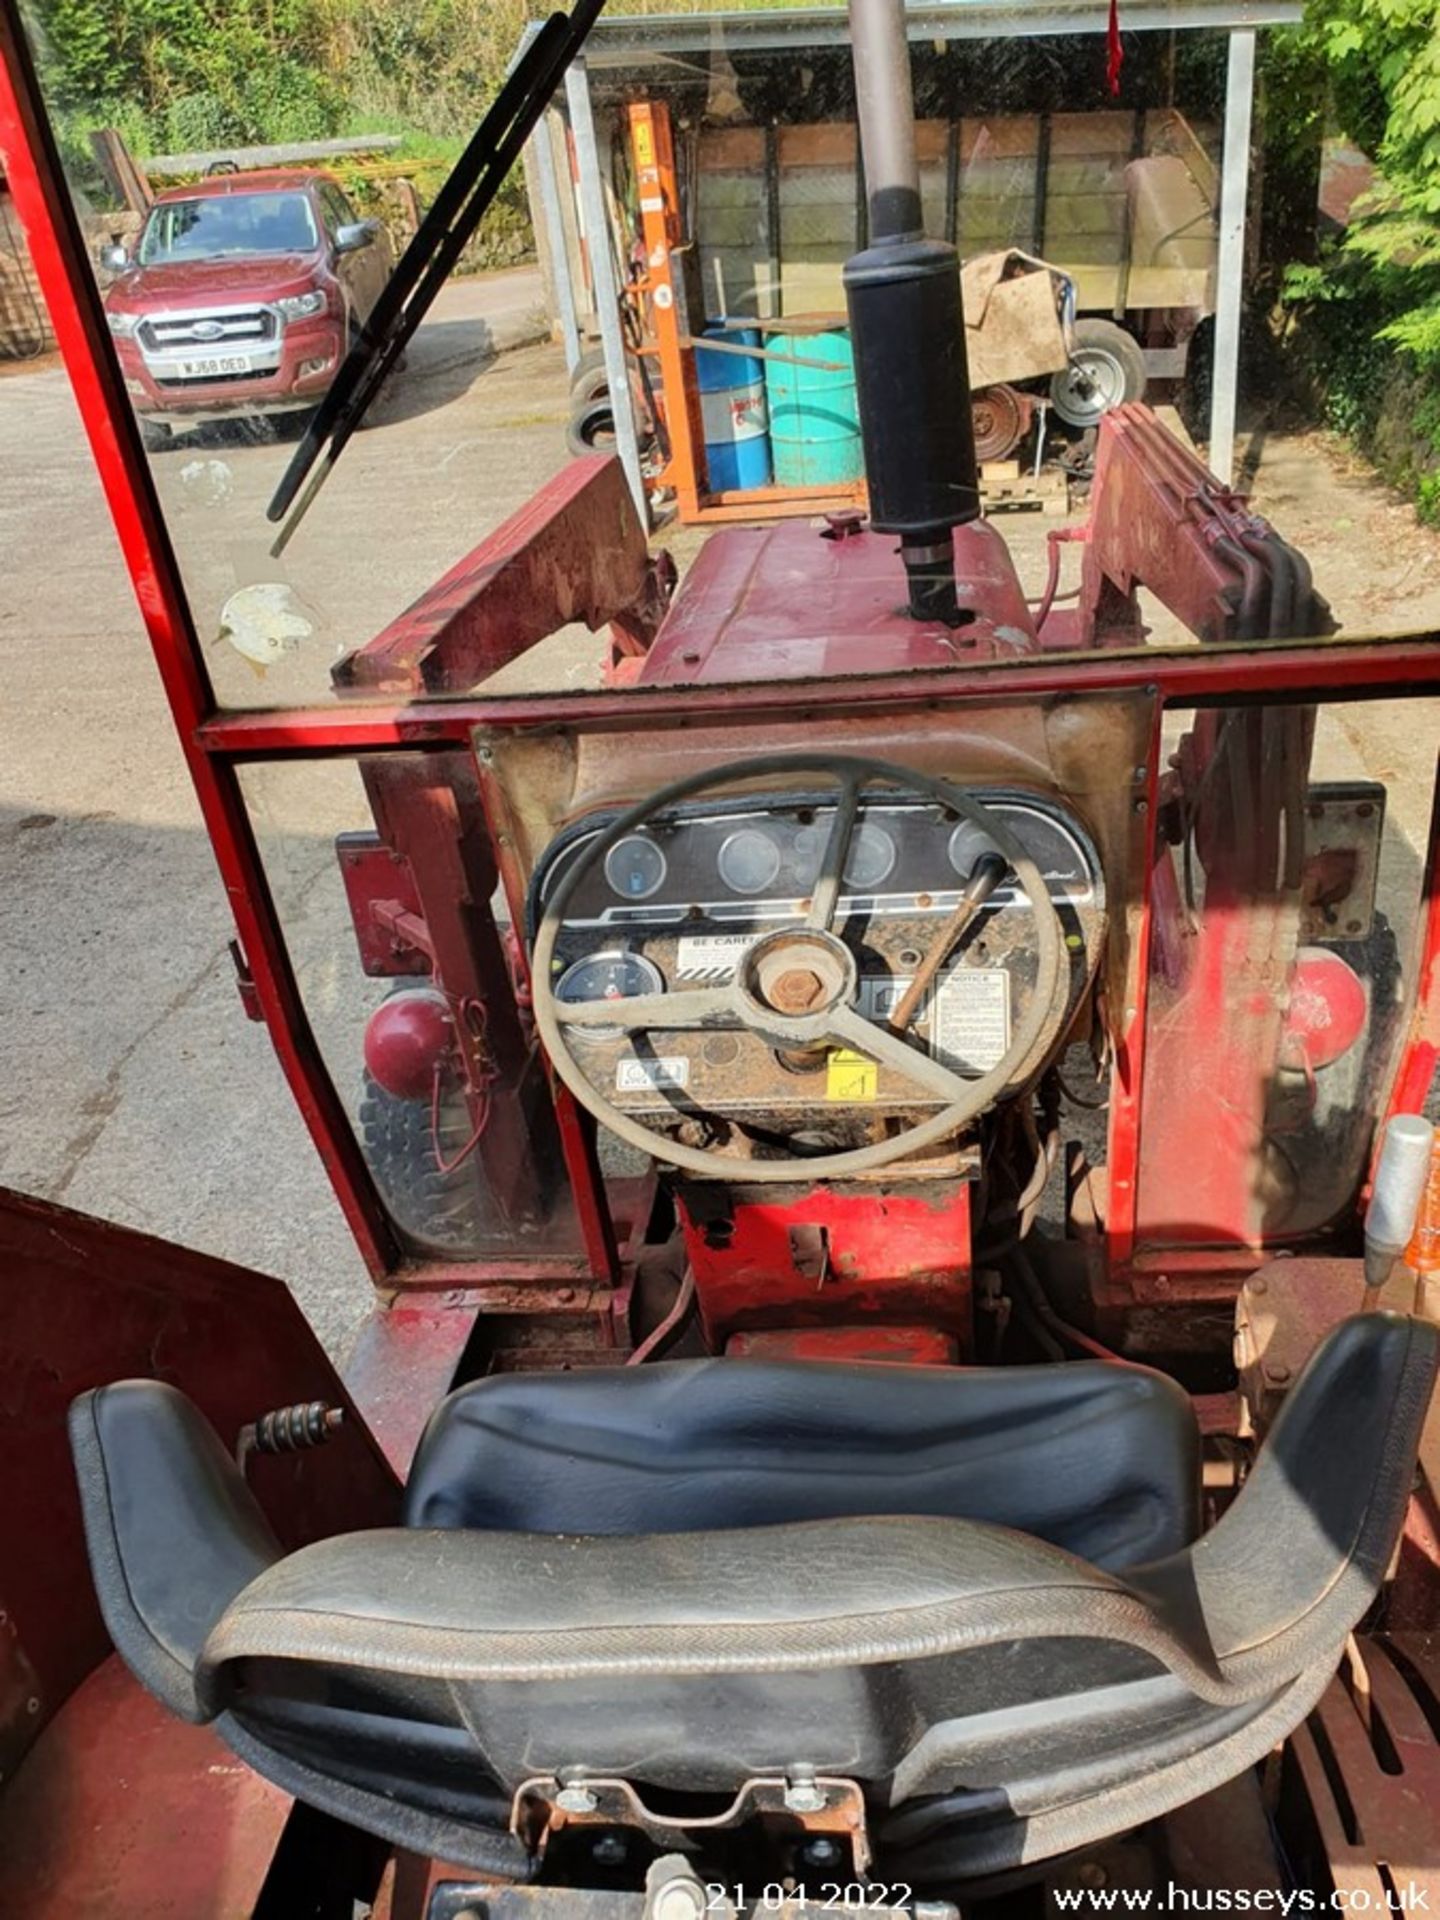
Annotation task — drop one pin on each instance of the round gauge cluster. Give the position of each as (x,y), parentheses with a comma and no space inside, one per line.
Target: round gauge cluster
(967,843)
(749,861)
(607,976)
(870,858)
(751,858)
(635,867)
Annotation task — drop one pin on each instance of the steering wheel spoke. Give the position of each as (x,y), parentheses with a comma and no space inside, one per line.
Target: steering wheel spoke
(883,1044)
(653,1012)
(832,862)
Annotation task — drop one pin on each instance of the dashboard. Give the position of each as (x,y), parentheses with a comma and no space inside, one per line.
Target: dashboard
(675,904)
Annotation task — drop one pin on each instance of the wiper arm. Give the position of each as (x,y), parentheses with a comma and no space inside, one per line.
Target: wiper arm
(426,263)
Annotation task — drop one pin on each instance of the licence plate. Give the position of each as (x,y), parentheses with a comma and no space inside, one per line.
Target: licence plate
(214,366)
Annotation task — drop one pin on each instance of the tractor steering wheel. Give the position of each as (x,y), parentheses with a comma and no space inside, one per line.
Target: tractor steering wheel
(816,952)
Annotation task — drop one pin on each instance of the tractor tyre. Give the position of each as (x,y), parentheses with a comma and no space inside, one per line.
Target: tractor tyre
(1106,370)
(437,1211)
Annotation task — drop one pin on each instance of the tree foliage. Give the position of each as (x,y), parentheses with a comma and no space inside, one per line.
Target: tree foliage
(174,74)
(1383,58)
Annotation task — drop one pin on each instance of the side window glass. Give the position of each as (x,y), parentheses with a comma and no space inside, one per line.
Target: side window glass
(338,210)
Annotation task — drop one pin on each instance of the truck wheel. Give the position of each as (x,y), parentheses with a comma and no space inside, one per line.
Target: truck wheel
(439,1212)
(1107,368)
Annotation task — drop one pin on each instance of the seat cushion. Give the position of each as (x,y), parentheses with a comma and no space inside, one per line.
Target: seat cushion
(1101,1460)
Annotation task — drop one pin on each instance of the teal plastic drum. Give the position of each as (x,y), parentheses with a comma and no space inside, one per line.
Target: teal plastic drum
(814,419)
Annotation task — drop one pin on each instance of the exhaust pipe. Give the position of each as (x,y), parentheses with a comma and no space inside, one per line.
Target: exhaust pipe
(907,326)
(886,108)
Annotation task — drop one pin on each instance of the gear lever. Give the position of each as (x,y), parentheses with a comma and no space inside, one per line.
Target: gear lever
(985,876)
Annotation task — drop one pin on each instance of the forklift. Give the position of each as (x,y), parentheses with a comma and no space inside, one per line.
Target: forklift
(894,1148)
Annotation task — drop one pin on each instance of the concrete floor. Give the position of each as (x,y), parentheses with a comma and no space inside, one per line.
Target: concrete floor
(130,1083)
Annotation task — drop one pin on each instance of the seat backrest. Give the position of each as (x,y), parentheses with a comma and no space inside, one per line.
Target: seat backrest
(1102,1460)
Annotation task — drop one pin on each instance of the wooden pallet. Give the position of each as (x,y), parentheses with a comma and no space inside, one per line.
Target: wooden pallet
(1005,489)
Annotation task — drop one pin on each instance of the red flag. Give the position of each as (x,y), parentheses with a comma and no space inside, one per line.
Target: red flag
(1116,50)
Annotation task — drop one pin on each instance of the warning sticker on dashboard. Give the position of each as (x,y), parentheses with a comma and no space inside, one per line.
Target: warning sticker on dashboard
(711,956)
(648,1076)
(850,1076)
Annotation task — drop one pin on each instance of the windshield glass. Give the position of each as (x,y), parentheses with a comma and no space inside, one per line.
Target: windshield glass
(1211,219)
(217,225)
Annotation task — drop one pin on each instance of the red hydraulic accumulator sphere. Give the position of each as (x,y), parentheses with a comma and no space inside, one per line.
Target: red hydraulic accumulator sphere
(406,1039)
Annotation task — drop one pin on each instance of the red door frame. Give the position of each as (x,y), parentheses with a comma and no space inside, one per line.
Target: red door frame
(217,743)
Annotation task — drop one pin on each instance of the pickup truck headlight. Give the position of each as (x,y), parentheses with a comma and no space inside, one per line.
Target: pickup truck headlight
(299,306)
(123,324)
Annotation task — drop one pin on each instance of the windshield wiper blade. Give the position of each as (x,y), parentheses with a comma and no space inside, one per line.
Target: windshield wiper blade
(426,263)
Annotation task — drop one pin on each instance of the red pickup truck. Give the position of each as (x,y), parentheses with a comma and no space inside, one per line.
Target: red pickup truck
(242,296)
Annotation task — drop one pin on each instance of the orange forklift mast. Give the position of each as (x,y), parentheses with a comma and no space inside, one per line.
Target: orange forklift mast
(667,296)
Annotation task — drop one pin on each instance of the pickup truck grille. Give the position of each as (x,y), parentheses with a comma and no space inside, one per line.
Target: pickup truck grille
(222,330)
(168,381)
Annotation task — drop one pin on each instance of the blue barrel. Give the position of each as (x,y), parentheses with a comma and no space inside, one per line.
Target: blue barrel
(732,407)
(814,415)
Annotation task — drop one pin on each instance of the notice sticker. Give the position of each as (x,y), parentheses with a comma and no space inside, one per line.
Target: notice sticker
(974,1015)
(973,1029)
(652,1076)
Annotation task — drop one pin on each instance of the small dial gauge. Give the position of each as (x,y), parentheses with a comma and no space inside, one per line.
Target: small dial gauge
(635,867)
(967,843)
(805,850)
(871,856)
(607,976)
(749,861)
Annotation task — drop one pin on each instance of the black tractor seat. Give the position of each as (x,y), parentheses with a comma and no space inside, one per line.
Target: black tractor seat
(998,1697)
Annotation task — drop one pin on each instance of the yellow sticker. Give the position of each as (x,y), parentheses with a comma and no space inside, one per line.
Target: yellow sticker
(644,144)
(850,1076)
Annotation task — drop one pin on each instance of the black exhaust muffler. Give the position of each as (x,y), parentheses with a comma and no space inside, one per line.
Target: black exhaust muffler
(907,327)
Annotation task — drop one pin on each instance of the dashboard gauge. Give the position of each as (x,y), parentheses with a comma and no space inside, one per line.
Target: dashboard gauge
(967,843)
(635,867)
(871,856)
(749,861)
(607,976)
(805,850)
